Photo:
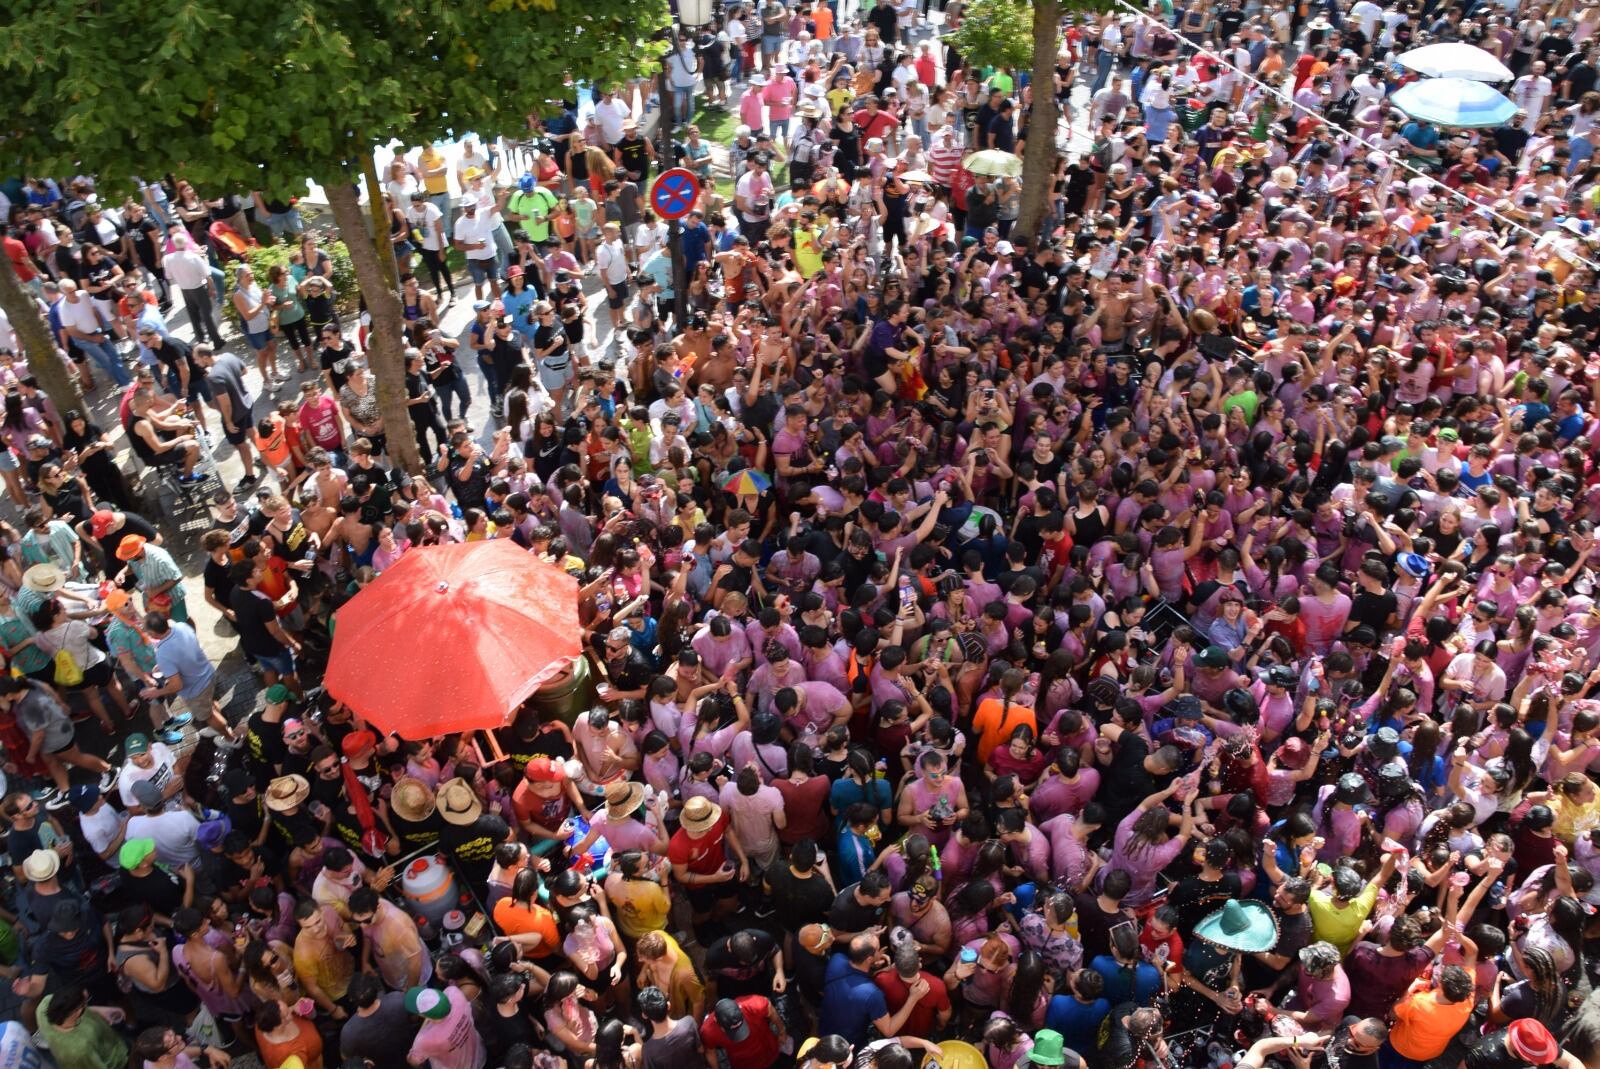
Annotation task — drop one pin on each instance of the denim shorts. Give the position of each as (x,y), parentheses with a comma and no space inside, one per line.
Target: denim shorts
(483,270)
(258,341)
(281,663)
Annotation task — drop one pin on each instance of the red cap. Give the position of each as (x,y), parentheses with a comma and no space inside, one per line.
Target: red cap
(1531,1041)
(1294,753)
(544,770)
(100,523)
(357,743)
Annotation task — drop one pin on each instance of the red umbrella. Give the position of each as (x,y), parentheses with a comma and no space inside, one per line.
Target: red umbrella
(453,638)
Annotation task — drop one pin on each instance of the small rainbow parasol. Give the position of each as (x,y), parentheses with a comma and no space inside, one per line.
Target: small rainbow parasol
(747,481)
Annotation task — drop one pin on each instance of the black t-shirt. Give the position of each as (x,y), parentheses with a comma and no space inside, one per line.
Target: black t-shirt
(160,890)
(1374,609)
(500,1033)
(472,846)
(218,579)
(253,611)
(77,959)
(799,901)
(1125,782)
(132,524)
(21,843)
(848,915)
(330,357)
(734,978)
(1509,141)
(1228,23)
(1094,925)
(847,149)
(1195,899)
(176,353)
(415,834)
(1117,1050)
(384,1037)
(1490,1053)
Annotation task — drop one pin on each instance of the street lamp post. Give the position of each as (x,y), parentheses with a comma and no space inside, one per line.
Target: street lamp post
(691,14)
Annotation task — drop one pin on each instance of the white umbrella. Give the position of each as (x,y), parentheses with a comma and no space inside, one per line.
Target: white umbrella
(1454,102)
(1453,59)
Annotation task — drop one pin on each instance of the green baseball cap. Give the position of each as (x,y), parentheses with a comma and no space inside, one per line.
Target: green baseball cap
(134,852)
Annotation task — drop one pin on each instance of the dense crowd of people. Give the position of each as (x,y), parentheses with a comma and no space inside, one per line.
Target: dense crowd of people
(1167,638)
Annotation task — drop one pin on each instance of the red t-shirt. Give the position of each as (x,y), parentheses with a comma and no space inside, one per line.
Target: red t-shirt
(702,856)
(879,125)
(805,805)
(17,253)
(757,1050)
(319,420)
(922,1018)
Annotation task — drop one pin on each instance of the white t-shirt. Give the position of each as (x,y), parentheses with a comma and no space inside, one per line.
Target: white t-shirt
(611,114)
(80,314)
(1367,14)
(476,228)
(100,828)
(173,831)
(612,260)
(423,216)
(160,773)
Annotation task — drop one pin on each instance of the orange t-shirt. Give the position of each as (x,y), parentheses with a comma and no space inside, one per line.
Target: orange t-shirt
(995,720)
(822,18)
(512,919)
(1425,1023)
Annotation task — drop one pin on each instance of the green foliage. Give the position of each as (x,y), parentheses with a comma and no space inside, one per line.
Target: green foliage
(270,255)
(235,94)
(996,33)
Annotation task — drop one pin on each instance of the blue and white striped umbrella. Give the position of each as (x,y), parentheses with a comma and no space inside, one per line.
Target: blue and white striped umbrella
(1458,102)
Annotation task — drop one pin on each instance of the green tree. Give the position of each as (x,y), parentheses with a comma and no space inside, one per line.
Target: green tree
(1025,33)
(236,95)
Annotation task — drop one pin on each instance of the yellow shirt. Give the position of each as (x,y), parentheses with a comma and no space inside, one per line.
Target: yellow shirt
(319,962)
(1341,927)
(641,906)
(807,257)
(439,183)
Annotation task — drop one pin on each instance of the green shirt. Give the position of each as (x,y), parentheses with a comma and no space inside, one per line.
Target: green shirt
(15,629)
(1247,401)
(536,208)
(89,1044)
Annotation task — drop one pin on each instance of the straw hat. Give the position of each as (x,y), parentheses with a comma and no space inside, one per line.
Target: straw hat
(411,800)
(44,579)
(40,865)
(623,799)
(457,802)
(699,814)
(286,792)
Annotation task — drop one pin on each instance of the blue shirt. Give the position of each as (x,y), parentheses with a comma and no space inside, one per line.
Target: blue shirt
(847,792)
(695,239)
(855,857)
(1078,1022)
(1137,984)
(179,654)
(850,1001)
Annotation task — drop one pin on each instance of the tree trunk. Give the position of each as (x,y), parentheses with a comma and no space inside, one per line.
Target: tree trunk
(380,222)
(33,333)
(1044,120)
(385,344)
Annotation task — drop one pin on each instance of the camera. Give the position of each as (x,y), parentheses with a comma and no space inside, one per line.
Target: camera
(1350,520)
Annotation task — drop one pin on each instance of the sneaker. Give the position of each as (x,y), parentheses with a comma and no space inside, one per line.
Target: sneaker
(168,736)
(191,478)
(50,798)
(245,483)
(109,779)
